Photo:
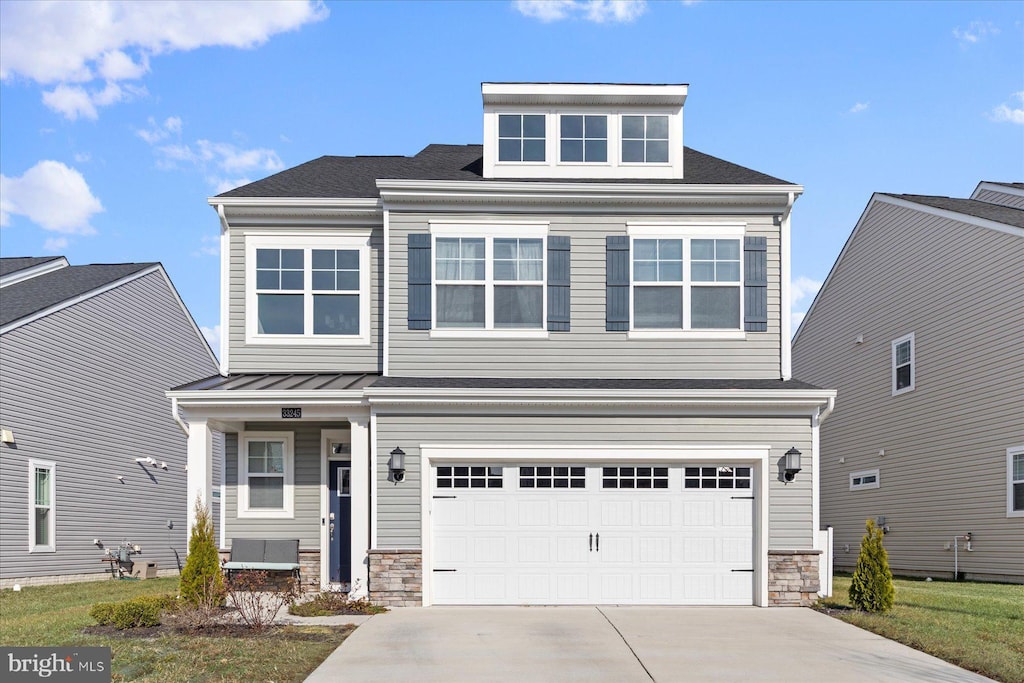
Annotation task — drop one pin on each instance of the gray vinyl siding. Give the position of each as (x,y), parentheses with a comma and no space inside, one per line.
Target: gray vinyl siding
(958,289)
(305,525)
(588,350)
(1002,198)
(84,388)
(398,505)
(297,357)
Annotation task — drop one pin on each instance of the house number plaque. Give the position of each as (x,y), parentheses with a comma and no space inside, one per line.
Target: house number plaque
(291,413)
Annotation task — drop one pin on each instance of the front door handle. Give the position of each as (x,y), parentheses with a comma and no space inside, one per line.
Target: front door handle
(590,543)
(597,545)
(332,530)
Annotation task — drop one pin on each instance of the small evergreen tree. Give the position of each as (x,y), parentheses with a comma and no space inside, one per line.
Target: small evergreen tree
(202,583)
(872,589)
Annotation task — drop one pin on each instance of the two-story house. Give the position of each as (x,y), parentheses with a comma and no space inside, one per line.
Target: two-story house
(550,369)
(919,327)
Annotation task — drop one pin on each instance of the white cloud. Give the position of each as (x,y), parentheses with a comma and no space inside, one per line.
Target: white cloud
(83,157)
(156,132)
(51,195)
(210,246)
(859,107)
(212,335)
(55,244)
(220,184)
(802,289)
(74,44)
(975,32)
(597,11)
(1010,113)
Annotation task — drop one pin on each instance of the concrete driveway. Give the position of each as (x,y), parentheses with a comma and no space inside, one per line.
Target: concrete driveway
(622,645)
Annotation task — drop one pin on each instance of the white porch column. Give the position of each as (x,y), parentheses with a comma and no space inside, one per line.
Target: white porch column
(199,480)
(360,487)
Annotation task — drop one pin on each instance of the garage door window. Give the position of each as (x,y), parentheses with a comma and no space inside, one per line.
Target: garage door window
(717,477)
(634,478)
(554,477)
(469,477)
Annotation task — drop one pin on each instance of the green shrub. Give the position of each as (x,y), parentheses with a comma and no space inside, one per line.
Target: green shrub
(871,588)
(202,583)
(103,612)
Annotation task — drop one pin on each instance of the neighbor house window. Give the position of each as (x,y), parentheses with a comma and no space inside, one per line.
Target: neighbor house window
(489,283)
(1015,482)
(868,479)
(308,289)
(645,139)
(903,372)
(686,284)
(265,474)
(521,137)
(41,517)
(584,138)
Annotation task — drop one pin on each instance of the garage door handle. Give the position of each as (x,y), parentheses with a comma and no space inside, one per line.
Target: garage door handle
(597,544)
(743,498)
(742,570)
(590,543)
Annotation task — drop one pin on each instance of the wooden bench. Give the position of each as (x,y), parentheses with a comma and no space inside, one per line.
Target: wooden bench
(266,555)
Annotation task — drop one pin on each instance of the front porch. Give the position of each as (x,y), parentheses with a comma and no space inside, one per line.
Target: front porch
(296,464)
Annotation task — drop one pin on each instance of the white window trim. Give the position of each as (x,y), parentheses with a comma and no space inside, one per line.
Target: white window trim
(913,364)
(488,231)
(622,139)
(33,465)
(360,242)
(685,232)
(610,130)
(877,483)
(1010,453)
(547,136)
(244,511)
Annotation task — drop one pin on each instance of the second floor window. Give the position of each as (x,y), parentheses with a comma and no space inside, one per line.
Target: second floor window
(521,137)
(685,284)
(489,282)
(584,138)
(903,364)
(313,288)
(645,139)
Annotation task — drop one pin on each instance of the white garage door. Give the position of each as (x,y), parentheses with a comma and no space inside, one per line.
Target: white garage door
(526,534)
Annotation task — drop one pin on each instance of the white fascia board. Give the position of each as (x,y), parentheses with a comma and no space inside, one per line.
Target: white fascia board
(187,399)
(35,271)
(572,190)
(572,93)
(67,303)
(366,203)
(996,187)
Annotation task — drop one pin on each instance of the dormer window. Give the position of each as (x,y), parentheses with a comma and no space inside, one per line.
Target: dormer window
(521,137)
(584,138)
(645,139)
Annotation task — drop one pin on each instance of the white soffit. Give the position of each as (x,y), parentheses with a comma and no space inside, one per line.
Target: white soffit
(584,94)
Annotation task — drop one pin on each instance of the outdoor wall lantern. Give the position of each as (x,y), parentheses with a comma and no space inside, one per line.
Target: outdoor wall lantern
(397,465)
(792,463)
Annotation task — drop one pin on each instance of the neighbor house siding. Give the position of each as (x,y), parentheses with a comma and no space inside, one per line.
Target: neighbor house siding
(305,525)
(299,357)
(399,505)
(84,388)
(943,473)
(588,350)
(1003,198)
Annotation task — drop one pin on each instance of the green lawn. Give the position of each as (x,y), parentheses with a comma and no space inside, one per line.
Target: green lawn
(55,615)
(979,626)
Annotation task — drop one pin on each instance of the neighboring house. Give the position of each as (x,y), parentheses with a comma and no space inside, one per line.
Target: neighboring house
(86,353)
(550,369)
(920,327)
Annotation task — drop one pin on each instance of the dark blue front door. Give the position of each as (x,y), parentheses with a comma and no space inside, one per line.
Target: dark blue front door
(340,523)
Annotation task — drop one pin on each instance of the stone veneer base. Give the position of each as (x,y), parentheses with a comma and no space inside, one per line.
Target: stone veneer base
(396,577)
(793,579)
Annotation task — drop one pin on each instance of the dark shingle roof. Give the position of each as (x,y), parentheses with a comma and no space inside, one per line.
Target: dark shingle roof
(13,265)
(969,207)
(351,177)
(578,383)
(39,293)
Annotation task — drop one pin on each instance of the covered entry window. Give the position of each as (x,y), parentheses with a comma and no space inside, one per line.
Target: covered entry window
(41,507)
(266,474)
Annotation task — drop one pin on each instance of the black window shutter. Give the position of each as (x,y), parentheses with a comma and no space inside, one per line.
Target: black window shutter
(419,281)
(617,283)
(755,284)
(558,284)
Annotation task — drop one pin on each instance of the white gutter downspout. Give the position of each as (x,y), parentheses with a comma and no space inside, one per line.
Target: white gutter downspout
(225,265)
(177,418)
(786,345)
(816,421)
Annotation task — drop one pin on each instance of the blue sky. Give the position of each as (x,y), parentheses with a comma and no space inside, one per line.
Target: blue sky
(118,121)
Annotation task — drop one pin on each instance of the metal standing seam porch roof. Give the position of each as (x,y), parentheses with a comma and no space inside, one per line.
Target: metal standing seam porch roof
(282,382)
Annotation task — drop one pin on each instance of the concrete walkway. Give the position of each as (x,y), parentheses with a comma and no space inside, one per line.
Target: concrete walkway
(623,645)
